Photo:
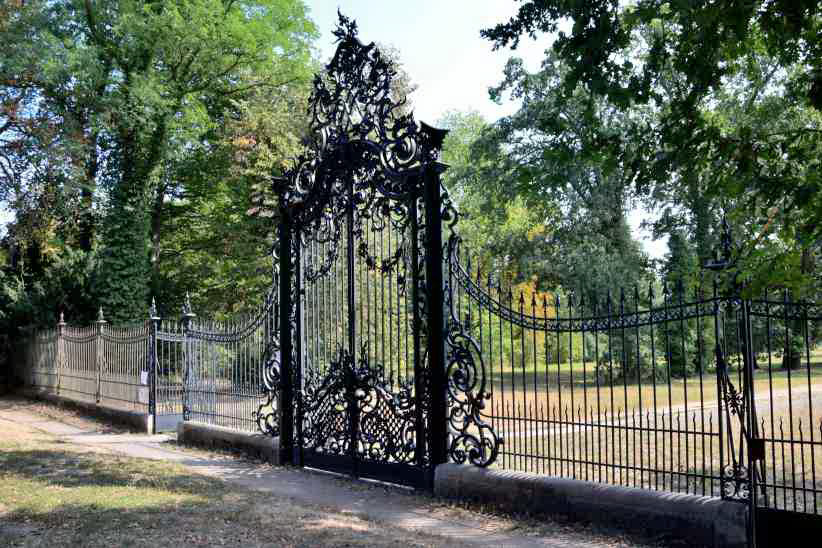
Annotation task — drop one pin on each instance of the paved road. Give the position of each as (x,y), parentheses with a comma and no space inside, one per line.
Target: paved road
(375,502)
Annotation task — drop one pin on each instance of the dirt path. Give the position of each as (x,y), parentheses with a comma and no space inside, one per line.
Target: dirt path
(390,506)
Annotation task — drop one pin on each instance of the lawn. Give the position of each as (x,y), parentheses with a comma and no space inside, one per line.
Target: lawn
(660,435)
(574,385)
(56,494)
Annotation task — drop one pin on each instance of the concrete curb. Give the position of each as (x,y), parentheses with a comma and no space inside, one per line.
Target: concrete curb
(257,445)
(707,521)
(140,421)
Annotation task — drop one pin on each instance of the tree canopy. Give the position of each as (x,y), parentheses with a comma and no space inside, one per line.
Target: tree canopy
(721,102)
(118,115)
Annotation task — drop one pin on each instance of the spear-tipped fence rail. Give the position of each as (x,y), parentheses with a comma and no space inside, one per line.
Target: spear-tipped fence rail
(170,369)
(703,393)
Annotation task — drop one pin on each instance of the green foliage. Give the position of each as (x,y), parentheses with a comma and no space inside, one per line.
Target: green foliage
(64,287)
(123,274)
(551,158)
(504,232)
(722,102)
(105,104)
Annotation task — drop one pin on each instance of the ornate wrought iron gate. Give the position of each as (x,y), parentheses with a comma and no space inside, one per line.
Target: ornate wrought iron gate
(362,398)
(365,375)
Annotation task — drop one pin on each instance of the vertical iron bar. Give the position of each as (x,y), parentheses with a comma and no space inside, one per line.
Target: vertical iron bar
(286,399)
(154,325)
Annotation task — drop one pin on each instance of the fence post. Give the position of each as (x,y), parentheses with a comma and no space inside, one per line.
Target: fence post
(98,351)
(286,399)
(437,414)
(153,326)
(59,354)
(188,356)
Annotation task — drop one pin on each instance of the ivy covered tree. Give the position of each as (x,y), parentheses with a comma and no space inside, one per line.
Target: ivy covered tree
(105,96)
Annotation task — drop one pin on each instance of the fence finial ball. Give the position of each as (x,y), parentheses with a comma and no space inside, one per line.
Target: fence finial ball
(100,317)
(152,312)
(62,318)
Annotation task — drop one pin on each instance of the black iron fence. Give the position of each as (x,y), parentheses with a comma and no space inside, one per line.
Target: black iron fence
(649,388)
(173,369)
(643,388)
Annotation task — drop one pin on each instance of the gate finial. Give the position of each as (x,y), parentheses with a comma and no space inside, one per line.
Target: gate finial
(187,310)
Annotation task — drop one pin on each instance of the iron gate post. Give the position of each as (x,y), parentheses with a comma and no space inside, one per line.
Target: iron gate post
(153,327)
(435,298)
(60,352)
(98,351)
(188,356)
(286,399)
(752,439)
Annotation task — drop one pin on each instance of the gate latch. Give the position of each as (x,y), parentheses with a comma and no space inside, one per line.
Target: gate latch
(756,449)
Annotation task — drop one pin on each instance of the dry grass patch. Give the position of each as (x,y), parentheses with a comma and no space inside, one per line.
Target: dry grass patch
(55,494)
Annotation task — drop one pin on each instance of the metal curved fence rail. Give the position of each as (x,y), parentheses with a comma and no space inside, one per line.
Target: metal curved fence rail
(639,389)
(171,369)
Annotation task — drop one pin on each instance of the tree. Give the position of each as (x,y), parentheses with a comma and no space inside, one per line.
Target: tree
(121,89)
(502,231)
(678,61)
(555,153)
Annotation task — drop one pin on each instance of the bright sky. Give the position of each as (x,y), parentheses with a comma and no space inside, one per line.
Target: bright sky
(439,45)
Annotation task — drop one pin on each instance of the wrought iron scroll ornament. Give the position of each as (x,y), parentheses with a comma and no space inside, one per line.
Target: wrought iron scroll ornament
(268,412)
(363,137)
(386,417)
(472,439)
(366,164)
(734,475)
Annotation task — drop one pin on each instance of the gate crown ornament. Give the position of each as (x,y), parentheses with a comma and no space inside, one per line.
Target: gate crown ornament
(359,128)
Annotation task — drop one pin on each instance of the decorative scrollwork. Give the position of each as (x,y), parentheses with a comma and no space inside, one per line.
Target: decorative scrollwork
(267,415)
(362,138)
(350,390)
(471,439)
(734,481)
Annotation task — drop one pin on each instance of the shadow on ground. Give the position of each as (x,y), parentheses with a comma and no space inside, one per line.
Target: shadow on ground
(52,497)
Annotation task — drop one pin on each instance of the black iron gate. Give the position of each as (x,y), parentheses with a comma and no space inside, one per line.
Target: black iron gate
(361,402)
(368,373)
